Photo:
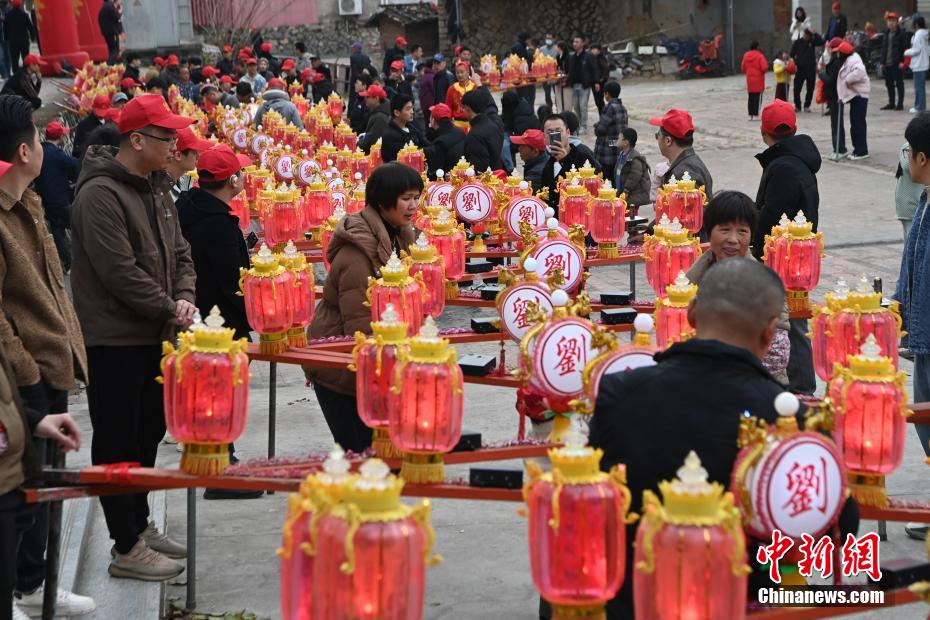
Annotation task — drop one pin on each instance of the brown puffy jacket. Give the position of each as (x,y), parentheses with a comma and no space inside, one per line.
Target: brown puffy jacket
(358,249)
(131,262)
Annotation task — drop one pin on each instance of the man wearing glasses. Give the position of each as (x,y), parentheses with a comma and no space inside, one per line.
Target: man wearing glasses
(676,143)
(133,283)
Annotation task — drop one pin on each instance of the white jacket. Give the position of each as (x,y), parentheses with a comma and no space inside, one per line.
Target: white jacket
(798,28)
(853,81)
(919,52)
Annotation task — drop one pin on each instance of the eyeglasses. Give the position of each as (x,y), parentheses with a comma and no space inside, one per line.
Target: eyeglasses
(171,140)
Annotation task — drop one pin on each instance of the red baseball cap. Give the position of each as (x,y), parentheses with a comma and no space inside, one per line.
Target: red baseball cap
(440,111)
(16,2)
(159,61)
(4,167)
(676,123)
(288,64)
(836,6)
(227,49)
(834,43)
(891,15)
(173,60)
(55,130)
(129,83)
(374,91)
(306,74)
(779,118)
(248,51)
(32,59)
(101,104)
(146,110)
(112,115)
(189,141)
(209,71)
(398,64)
(532,138)
(265,47)
(220,163)
(400,41)
(845,48)
(226,80)
(277,83)
(251,61)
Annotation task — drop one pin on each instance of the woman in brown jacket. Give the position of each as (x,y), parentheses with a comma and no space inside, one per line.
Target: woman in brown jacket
(361,245)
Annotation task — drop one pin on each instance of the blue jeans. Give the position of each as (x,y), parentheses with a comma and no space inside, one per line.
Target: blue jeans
(922,395)
(920,93)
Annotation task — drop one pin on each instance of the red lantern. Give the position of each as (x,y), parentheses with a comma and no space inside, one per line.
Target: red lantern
(685,201)
(413,157)
(690,551)
(573,204)
(283,221)
(336,107)
(325,133)
(326,232)
(343,160)
(577,529)
(861,315)
(303,294)
(671,313)
(396,287)
(374,155)
(869,399)
(374,362)
(360,165)
(296,553)
(607,221)
(372,551)
(822,341)
(650,243)
(268,304)
(674,251)
(239,207)
(591,181)
(449,241)
(355,201)
(429,266)
(459,173)
(797,262)
(426,420)
(317,207)
(206,393)
(283,163)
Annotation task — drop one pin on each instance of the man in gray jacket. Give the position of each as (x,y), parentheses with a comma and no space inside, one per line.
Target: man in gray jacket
(277,99)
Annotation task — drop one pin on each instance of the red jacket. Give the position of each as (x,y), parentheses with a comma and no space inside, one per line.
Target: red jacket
(754,66)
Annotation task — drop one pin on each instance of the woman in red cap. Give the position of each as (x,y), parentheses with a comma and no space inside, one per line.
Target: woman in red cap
(754,65)
(463,84)
(853,87)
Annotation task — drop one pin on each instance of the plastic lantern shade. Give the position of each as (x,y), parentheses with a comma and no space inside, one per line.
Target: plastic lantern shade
(573,204)
(590,179)
(317,206)
(239,207)
(360,164)
(284,164)
(473,201)
(516,186)
(869,399)
(374,359)
(355,198)
(267,288)
(607,220)
(396,287)
(325,133)
(412,156)
(786,479)
(326,232)
(427,419)
(514,302)
(690,559)
(372,551)
(822,338)
(523,208)
(303,295)
(438,192)
(296,553)
(283,221)
(336,107)
(307,169)
(685,201)
(797,262)
(206,387)
(577,529)
(374,155)
(428,264)
(449,240)
(671,313)
(650,243)
(459,171)
(861,315)
(343,160)
(674,251)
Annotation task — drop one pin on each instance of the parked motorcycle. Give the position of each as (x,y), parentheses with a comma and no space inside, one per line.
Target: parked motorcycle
(706,63)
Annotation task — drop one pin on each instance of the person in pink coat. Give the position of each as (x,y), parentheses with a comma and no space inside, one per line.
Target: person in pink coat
(754,66)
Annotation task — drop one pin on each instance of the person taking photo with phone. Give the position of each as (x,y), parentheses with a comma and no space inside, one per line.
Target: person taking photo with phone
(564,155)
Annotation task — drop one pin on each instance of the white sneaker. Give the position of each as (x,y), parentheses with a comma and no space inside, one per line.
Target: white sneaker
(19,614)
(913,110)
(858,157)
(68,603)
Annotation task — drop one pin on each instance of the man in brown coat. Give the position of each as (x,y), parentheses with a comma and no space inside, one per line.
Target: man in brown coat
(38,327)
(133,282)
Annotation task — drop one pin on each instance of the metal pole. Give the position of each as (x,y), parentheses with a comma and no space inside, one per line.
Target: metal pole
(191,603)
(632,280)
(53,546)
(272,405)
(731,37)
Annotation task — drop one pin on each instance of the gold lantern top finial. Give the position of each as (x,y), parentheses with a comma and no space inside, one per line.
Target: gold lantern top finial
(787,406)
(266,263)
(443,224)
(422,251)
(681,291)
(390,328)
(211,336)
(587,170)
(575,188)
(394,272)
(607,191)
(676,233)
(428,346)
(374,488)
(576,462)
(671,185)
(870,364)
(335,468)
(292,259)
(690,498)
(687,183)
(800,228)
(643,324)
(864,298)
(338,213)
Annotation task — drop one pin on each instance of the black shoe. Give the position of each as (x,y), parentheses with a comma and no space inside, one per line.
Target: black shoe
(899,107)
(890,106)
(231,494)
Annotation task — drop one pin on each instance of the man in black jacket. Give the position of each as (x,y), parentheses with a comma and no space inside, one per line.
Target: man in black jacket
(837,25)
(894,43)
(395,53)
(582,73)
(401,130)
(532,147)
(788,185)
(564,156)
(96,118)
(805,59)
(485,140)
(19,31)
(379,115)
(111,26)
(448,141)
(27,81)
(225,64)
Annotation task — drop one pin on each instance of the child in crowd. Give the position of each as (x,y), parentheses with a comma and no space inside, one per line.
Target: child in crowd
(784,68)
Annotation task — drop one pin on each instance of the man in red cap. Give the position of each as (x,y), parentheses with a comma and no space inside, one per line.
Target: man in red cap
(127,84)
(252,77)
(448,140)
(395,53)
(19,31)
(788,185)
(54,187)
(289,70)
(894,43)
(276,98)
(394,83)
(209,73)
(837,26)
(322,83)
(111,27)
(676,143)
(187,153)
(95,119)
(133,285)
(379,115)
(532,147)
(27,81)
(225,64)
